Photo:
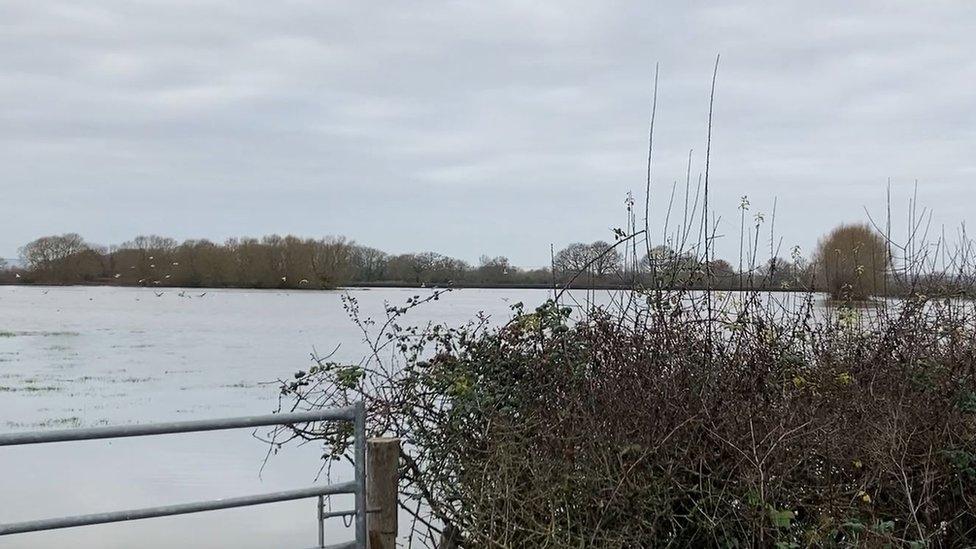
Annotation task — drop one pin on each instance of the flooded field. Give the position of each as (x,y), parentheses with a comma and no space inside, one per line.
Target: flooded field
(89,356)
(80,356)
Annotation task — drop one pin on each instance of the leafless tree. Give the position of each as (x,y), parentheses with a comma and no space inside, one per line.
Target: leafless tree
(63,258)
(599,259)
(852,262)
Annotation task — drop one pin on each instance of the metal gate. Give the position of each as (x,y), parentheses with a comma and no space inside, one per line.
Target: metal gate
(354,413)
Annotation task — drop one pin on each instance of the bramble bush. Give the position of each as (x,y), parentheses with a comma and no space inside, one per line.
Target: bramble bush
(674,418)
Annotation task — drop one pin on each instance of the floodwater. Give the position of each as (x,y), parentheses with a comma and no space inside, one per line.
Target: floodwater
(89,356)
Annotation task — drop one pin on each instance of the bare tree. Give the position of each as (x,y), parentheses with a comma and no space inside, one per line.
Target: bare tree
(598,259)
(369,264)
(852,262)
(494,269)
(62,258)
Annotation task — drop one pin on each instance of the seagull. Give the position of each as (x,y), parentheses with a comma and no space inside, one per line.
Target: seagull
(167,276)
(117,275)
(203,294)
(159,294)
(150,257)
(303,281)
(17,275)
(141,280)
(176,263)
(284,279)
(152,266)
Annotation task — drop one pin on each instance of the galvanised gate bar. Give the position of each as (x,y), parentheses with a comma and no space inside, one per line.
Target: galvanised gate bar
(354,413)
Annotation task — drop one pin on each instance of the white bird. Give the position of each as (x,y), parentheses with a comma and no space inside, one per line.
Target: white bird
(150,257)
(152,266)
(117,275)
(303,281)
(17,275)
(284,279)
(167,276)
(176,263)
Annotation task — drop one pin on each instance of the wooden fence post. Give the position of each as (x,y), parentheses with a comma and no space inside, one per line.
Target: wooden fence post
(382,487)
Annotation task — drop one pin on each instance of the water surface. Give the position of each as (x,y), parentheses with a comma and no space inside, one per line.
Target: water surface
(88,356)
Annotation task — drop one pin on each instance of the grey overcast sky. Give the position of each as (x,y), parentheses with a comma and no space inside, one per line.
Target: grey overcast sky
(472,127)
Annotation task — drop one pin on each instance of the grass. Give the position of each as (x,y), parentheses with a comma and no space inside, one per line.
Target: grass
(7,333)
(61,422)
(29,389)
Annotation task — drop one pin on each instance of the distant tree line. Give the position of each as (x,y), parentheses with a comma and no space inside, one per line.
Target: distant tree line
(291,262)
(850,262)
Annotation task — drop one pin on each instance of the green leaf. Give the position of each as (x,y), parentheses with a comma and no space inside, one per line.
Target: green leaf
(781,519)
(885,526)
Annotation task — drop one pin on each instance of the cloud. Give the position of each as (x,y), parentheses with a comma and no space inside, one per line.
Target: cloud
(471,127)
